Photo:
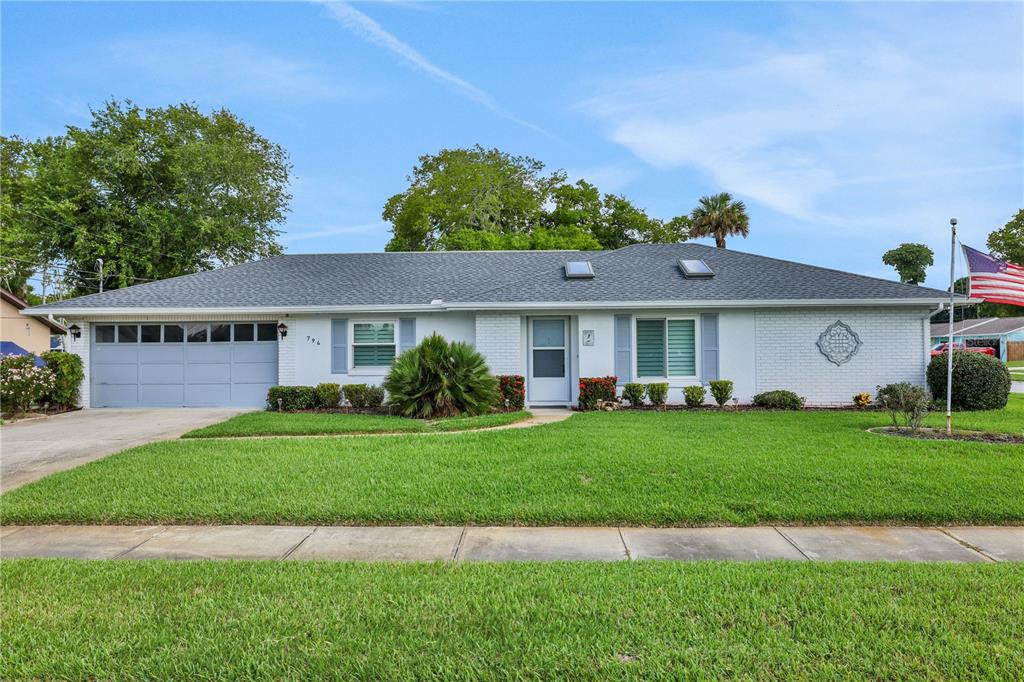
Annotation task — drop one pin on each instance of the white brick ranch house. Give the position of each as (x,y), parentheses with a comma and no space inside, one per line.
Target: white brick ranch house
(681,313)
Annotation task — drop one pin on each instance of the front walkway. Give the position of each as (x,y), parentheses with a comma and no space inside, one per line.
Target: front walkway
(38,447)
(472,543)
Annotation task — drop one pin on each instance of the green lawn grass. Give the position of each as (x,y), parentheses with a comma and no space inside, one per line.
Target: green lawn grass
(630,468)
(270,621)
(323,423)
(1009,420)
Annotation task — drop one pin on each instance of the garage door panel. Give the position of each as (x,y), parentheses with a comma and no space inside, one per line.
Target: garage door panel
(162,354)
(167,395)
(253,373)
(162,374)
(255,352)
(207,395)
(250,395)
(116,395)
(207,352)
(104,354)
(208,373)
(120,374)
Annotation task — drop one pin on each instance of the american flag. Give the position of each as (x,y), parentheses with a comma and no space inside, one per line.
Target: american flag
(994,280)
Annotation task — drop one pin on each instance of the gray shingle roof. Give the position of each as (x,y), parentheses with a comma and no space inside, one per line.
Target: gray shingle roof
(643,272)
(993,326)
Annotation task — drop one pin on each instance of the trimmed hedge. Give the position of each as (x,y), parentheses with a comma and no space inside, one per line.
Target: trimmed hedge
(595,389)
(328,396)
(980,382)
(657,394)
(779,400)
(291,398)
(694,395)
(364,395)
(67,375)
(512,389)
(634,394)
(721,390)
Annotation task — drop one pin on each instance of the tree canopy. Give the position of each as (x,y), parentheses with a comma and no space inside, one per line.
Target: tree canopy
(1008,242)
(719,216)
(155,193)
(910,261)
(474,199)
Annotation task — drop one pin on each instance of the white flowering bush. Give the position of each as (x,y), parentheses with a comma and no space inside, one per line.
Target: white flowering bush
(22,383)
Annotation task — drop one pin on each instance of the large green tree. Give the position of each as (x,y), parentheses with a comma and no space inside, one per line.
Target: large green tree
(910,261)
(1008,242)
(719,216)
(18,250)
(475,199)
(154,193)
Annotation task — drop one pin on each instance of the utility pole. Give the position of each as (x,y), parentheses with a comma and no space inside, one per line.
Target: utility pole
(99,269)
(949,346)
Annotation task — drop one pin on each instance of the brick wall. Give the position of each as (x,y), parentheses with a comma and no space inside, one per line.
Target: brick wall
(287,356)
(894,348)
(499,340)
(80,347)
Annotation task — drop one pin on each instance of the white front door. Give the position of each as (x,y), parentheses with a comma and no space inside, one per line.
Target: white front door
(548,380)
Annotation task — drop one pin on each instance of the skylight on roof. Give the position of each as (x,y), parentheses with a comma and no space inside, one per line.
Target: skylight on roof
(695,268)
(579,269)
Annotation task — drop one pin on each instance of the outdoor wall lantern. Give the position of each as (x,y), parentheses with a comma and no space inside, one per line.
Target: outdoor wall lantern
(76,331)
(282,329)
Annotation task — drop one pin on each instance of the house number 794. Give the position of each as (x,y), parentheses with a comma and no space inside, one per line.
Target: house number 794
(312,340)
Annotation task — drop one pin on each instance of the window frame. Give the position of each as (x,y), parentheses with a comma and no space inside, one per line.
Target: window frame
(664,331)
(370,369)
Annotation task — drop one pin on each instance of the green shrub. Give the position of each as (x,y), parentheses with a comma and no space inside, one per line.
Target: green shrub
(364,396)
(694,395)
(68,374)
(980,382)
(595,389)
(291,398)
(328,396)
(779,400)
(657,394)
(440,379)
(721,390)
(634,394)
(904,401)
(22,384)
(512,389)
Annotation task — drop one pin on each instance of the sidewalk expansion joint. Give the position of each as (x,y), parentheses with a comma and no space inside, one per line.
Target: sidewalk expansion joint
(160,531)
(298,544)
(791,542)
(458,545)
(967,545)
(625,545)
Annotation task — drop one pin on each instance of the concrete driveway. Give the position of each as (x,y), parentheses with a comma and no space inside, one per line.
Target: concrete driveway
(32,449)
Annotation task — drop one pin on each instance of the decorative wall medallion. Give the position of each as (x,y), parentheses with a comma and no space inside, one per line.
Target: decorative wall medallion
(838,343)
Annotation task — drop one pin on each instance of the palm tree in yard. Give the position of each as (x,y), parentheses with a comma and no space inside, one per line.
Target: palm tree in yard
(719,216)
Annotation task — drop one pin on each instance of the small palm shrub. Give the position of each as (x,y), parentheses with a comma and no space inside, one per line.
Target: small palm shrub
(980,382)
(291,398)
(440,379)
(862,399)
(364,396)
(328,396)
(694,395)
(634,394)
(513,391)
(779,400)
(596,389)
(721,390)
(67,378)
(657,394)
(904,402)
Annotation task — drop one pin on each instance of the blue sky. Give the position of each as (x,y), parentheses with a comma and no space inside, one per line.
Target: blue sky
(846,128)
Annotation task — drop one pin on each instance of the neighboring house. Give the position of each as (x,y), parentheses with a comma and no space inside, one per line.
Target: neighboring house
(1005,334)
(27,334)
(680,313)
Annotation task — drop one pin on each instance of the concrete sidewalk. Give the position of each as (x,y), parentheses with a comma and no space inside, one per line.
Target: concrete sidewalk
(471,543)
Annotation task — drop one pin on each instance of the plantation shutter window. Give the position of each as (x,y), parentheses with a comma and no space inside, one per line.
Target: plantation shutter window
(373,344)
(650,348)
(682,349)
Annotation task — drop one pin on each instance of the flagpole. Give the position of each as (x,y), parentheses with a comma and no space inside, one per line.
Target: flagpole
(949,346)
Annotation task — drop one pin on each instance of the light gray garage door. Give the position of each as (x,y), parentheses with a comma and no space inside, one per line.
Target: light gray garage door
(192,364)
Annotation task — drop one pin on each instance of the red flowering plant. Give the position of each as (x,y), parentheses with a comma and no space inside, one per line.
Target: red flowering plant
(595,389)
(512,388)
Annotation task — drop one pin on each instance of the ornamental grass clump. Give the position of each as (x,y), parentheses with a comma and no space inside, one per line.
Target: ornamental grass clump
(438,379)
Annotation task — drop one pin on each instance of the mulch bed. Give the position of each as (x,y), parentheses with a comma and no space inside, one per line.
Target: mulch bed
(940,434)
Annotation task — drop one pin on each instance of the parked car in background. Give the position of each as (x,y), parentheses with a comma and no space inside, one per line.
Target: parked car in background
(939,349)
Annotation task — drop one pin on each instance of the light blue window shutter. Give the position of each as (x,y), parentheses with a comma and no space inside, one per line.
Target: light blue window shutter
(624,348)
(682,348)
(406,333)
(339,346)
(708,347)
(650,348)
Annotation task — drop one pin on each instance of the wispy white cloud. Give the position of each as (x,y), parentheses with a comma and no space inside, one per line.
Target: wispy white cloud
(368,29)
(367,228)
(795,125)
(211,65)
